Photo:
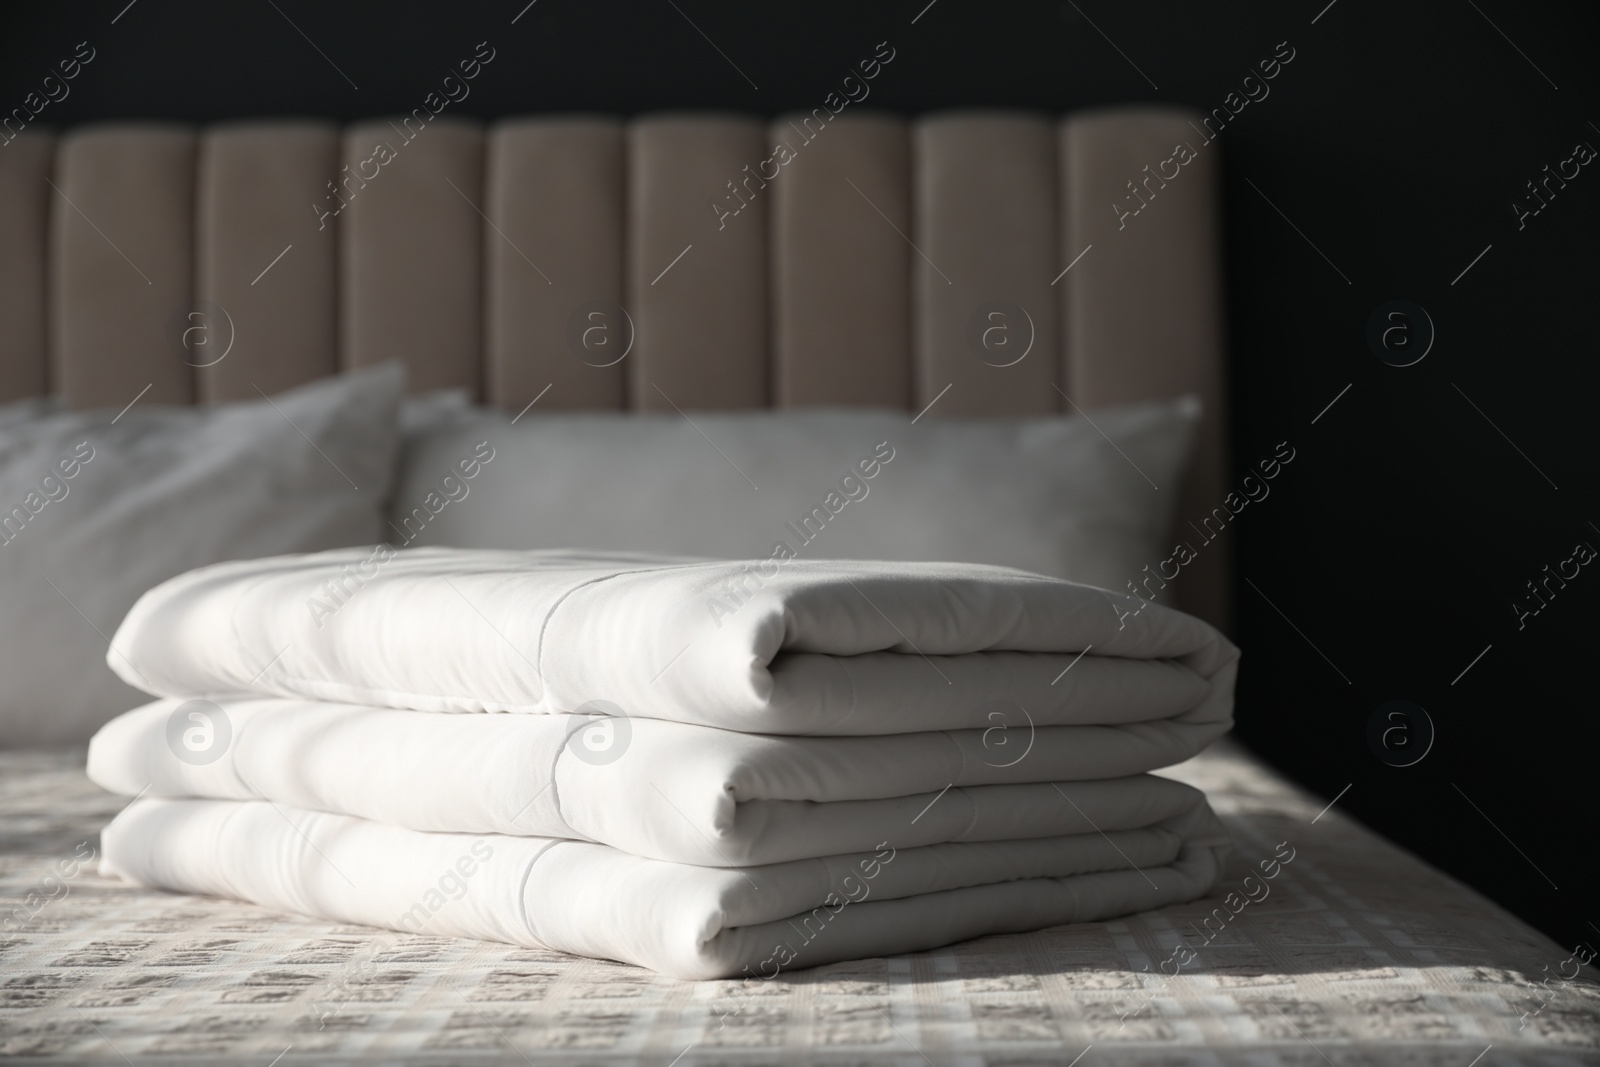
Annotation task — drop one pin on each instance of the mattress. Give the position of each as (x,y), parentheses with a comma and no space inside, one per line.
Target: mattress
(1322,943)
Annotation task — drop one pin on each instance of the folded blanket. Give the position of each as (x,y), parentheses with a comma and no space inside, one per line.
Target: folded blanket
(682,920)
(793,647)
(659,789)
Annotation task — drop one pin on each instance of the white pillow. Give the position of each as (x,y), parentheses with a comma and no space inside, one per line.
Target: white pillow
(93,513)
(1051,495)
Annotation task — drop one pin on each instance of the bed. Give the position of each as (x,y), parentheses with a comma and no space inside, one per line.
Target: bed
(971,263)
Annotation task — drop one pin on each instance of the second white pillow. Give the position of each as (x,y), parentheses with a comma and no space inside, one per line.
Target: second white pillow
(1062,496)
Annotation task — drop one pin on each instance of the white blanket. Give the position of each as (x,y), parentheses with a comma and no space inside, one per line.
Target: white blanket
(792,647)
(682,920)
(658,789)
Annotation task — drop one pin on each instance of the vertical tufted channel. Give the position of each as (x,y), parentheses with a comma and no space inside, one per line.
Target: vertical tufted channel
(697,262)
(553,245)
(409,196)
(122,274)
(25,162)
(266,316)
(841,213)
(984,315)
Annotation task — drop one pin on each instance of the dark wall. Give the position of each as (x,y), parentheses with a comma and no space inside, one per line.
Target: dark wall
(1385,160)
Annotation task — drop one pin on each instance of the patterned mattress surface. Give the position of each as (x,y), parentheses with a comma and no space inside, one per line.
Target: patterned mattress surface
(1353,952)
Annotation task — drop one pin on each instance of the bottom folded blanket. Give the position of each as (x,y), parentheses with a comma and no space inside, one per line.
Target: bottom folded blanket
(679,919)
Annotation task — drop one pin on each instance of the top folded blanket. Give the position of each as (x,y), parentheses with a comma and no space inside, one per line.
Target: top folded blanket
(775,646)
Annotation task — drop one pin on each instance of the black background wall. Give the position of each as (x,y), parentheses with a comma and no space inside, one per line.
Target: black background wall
(1392,150)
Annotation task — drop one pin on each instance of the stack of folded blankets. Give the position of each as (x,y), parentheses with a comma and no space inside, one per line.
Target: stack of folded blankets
(711,769)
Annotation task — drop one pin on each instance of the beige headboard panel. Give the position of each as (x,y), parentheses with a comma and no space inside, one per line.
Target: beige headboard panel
(738,263)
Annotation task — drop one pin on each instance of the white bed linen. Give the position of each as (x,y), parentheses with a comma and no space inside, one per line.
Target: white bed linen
(808,647)
(681,920)
(663,790)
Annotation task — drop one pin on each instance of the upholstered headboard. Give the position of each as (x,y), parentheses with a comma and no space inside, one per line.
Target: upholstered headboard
(970,263)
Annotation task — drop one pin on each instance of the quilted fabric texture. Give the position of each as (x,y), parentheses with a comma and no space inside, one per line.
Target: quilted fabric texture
(1351,952)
